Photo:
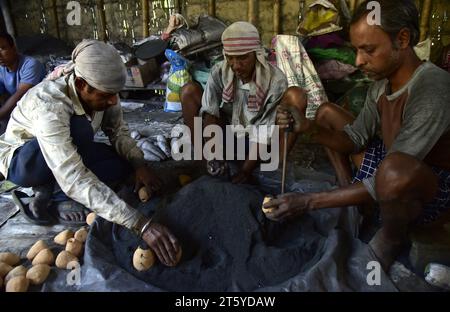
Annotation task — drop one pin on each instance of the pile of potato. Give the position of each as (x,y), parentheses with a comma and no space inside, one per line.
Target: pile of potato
(17,278)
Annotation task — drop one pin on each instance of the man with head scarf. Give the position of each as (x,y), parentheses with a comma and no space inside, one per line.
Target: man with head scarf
(243,90)
(50,138)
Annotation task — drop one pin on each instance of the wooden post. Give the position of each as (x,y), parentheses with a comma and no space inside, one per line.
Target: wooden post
(177,6)
(252,12)
(101,13)
(55,16)
(212,8)
(425,19)
(7,18)
(145,18)
(276,17)
(352,6)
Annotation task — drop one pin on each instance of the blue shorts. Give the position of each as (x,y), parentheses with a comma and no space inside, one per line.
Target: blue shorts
(376,152)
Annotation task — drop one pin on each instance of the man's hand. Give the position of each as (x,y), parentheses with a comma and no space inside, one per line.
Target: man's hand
(146,177)
(162,242)
(288,115)
(288,206)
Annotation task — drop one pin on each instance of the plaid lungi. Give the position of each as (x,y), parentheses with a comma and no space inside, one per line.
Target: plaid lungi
(375,153)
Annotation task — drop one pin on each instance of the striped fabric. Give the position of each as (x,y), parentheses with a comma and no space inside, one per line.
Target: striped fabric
(238,39)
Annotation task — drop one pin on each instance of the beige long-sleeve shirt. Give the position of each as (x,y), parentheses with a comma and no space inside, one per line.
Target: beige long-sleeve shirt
(44,113)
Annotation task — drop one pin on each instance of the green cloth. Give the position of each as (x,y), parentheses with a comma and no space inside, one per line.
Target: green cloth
(344,55)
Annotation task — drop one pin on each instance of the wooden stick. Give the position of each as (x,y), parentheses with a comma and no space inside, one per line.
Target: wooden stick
(177,6)
(276,17)
(425,19)
(7,17)
(252,12)
(55,16)
(352,5)
(145,18)
(212,8)
(101,13)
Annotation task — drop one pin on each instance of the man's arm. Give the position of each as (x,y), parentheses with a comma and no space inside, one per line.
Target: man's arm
(290,205)
(119,135)
(11,102)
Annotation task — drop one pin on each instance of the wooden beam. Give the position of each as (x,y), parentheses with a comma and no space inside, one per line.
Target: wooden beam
(177,6)
(55,16)
(212,8)
(425,19)
(145,18)
(252,14)
(352,5)
(276,17)
(7,18)
(101,13)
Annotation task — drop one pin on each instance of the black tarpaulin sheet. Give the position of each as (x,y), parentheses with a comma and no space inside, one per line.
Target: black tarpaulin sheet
(228,245)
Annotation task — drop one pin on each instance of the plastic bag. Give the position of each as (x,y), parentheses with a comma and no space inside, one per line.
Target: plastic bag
(178,77)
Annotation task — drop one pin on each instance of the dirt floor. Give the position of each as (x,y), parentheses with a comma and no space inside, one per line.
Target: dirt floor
(17,235)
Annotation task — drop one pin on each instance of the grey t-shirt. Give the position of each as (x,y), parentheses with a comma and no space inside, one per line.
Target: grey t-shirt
(414,120)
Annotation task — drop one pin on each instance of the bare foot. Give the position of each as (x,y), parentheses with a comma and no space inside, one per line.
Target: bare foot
(385,250)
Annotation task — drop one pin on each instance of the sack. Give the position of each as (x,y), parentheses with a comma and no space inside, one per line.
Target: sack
(295,63)
(178,77)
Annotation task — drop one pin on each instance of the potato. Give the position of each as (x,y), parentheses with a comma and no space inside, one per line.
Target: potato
(38,274)
(4,269)
(17,284)
(45,256)
(1,282)
(63,237)
(143,195)
(17,271)
(90,218)
(184,179)
(266,200)
(143,259)
(74,247)
(81,235)
(9,258)
(36,248)
(64,258)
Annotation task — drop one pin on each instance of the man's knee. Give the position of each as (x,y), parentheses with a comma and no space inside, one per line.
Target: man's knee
(401,176)
(296,96)
(191,94)
(324,113)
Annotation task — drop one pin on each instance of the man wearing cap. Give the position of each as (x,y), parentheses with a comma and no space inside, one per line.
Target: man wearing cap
(50,139)
(243,90)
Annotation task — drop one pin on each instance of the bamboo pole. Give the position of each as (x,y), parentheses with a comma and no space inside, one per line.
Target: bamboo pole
(276,17)
(7,18)
(177,6)
(425,19)
(212,8)
(145,18)
(252,12)
(352,5)
(55,16)
(101,13)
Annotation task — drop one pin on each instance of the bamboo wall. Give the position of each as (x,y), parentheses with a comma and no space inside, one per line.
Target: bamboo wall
(125,20)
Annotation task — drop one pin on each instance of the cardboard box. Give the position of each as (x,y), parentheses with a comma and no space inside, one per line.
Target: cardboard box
(140,75)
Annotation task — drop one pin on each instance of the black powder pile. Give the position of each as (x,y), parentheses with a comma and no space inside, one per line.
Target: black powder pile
(228,244)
